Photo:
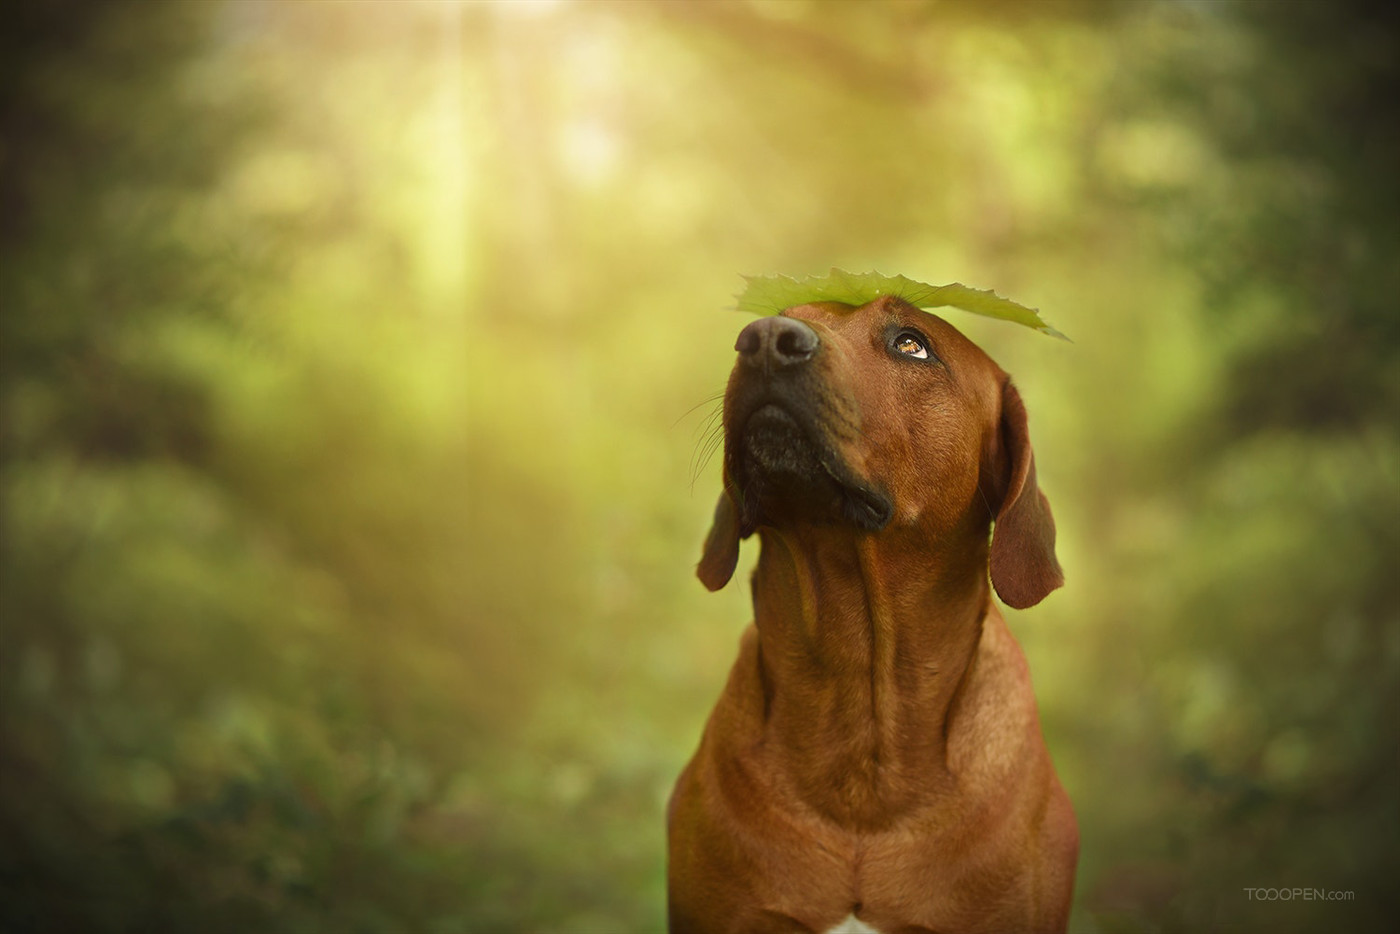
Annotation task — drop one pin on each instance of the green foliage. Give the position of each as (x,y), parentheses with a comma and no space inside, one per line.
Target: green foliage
(347,516)
(772,294)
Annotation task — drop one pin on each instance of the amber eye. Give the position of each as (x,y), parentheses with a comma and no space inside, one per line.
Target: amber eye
(911,345)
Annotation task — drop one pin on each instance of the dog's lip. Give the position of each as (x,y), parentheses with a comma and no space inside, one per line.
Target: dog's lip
(779,414)
(757,403)
(868,506)
(771,408)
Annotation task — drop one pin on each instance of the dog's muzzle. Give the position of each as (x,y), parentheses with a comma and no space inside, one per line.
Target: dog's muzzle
(780,447)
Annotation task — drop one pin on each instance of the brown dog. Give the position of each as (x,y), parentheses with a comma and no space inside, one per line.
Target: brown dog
(875,762)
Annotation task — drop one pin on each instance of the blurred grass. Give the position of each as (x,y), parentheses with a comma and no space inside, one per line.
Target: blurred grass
(355,357)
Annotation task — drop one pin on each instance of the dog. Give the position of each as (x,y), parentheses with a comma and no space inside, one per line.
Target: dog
(875,761)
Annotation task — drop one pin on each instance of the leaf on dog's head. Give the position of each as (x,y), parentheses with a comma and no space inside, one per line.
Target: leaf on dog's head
(768,295)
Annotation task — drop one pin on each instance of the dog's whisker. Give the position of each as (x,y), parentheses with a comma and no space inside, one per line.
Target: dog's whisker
(708,400)
(985,502)
(709,429)
(709,437)
(704,451)
(708,424)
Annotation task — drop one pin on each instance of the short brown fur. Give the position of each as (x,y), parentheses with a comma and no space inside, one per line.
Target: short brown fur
(877,750)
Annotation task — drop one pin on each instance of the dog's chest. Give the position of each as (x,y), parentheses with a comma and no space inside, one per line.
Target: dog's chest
(852,925)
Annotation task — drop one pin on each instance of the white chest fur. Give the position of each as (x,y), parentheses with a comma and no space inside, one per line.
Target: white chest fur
(852,925)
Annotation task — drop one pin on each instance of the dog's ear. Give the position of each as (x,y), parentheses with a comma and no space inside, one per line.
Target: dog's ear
(1023,563)
(721,551)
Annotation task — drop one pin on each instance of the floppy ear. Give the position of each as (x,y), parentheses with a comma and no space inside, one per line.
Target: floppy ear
(721,551)
(1023,563)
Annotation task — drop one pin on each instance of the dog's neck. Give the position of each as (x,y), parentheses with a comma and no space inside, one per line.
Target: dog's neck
(862,662)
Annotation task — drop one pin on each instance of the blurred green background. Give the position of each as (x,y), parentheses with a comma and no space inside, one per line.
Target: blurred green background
(354,365)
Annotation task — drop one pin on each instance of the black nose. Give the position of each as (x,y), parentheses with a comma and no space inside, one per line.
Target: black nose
(775,342)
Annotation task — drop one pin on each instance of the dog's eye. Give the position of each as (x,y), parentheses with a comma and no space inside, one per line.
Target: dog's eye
(911,345)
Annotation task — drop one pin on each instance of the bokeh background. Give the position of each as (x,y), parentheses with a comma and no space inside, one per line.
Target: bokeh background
(355,362)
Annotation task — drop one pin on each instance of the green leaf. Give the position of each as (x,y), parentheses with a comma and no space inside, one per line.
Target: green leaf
(768,295)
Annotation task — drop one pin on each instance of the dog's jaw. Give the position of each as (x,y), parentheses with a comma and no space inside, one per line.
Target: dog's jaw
(787,472)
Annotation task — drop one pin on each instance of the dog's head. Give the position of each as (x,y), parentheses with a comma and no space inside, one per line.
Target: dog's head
(880,417)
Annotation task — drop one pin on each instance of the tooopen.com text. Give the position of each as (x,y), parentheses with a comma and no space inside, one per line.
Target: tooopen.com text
(1297,894)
